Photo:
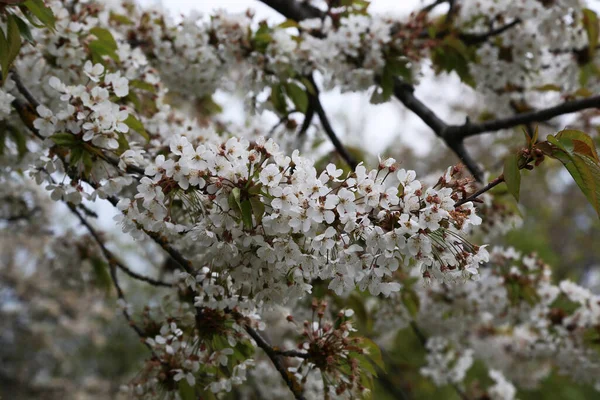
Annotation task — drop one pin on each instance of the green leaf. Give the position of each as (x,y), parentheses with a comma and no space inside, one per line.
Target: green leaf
(590,23)
(142,85)
(234,200)
(105,37)
(41,12)
(365,364)
(298,96)
(549,87)
(99,49)
(101,274)
(13,36)
(454,55)
(246,208)
(123,143)
(288,23)
(411,301)
(512,175)
(278,99)
(258,209)
(586,174)
(65,139)
(373,352)
(578,154)
(579,142)
(105,45)
(586,72)
(135,124)
(310,88)
(186,392)
(76,154)
(24,29)
(121,19)
(88,163)
(10,45)
(3,55)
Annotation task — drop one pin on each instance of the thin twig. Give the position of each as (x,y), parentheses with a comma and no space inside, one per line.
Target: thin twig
(23,89)
(113,263)
(481,191)
(479,38)
(111,257)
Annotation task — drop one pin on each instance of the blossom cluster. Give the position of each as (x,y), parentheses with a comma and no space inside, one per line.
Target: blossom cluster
(263,229)
(89,111)
(263,225)
(514,319)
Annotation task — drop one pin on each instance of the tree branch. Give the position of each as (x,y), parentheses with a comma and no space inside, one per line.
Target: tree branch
(277,360)
(405,93)
(329,129)
(478,38)
(292,9)
(111,257)
(23,89)
(458,132)
(113,263)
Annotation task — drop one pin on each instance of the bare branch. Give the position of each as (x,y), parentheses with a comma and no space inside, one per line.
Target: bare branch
(457,132)
(481,191)
(478,38)
(277,360)
(113,274)
(111,257)
(405,93)
(23,90)
(292,9)
(329,129)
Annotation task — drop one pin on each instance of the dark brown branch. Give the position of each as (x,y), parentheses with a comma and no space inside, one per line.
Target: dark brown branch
(277,360)
(478,38)
(329,129)
(295,10)
(291,353)
(113,274)
(432,6)
(457,132)
(405,93)
(111,257)
(308,117)
(481,191)
(23,90)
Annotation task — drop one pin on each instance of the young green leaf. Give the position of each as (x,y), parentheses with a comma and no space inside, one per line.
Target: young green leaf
(24,29)
(41,12)
(246,208)
(578,142)
(373,352)
(65,139)
(298,96)
(590,22)
(3,56)
(258,208)
(10,45)
(135,124)
(101,275)
(512,175)
(577,152)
